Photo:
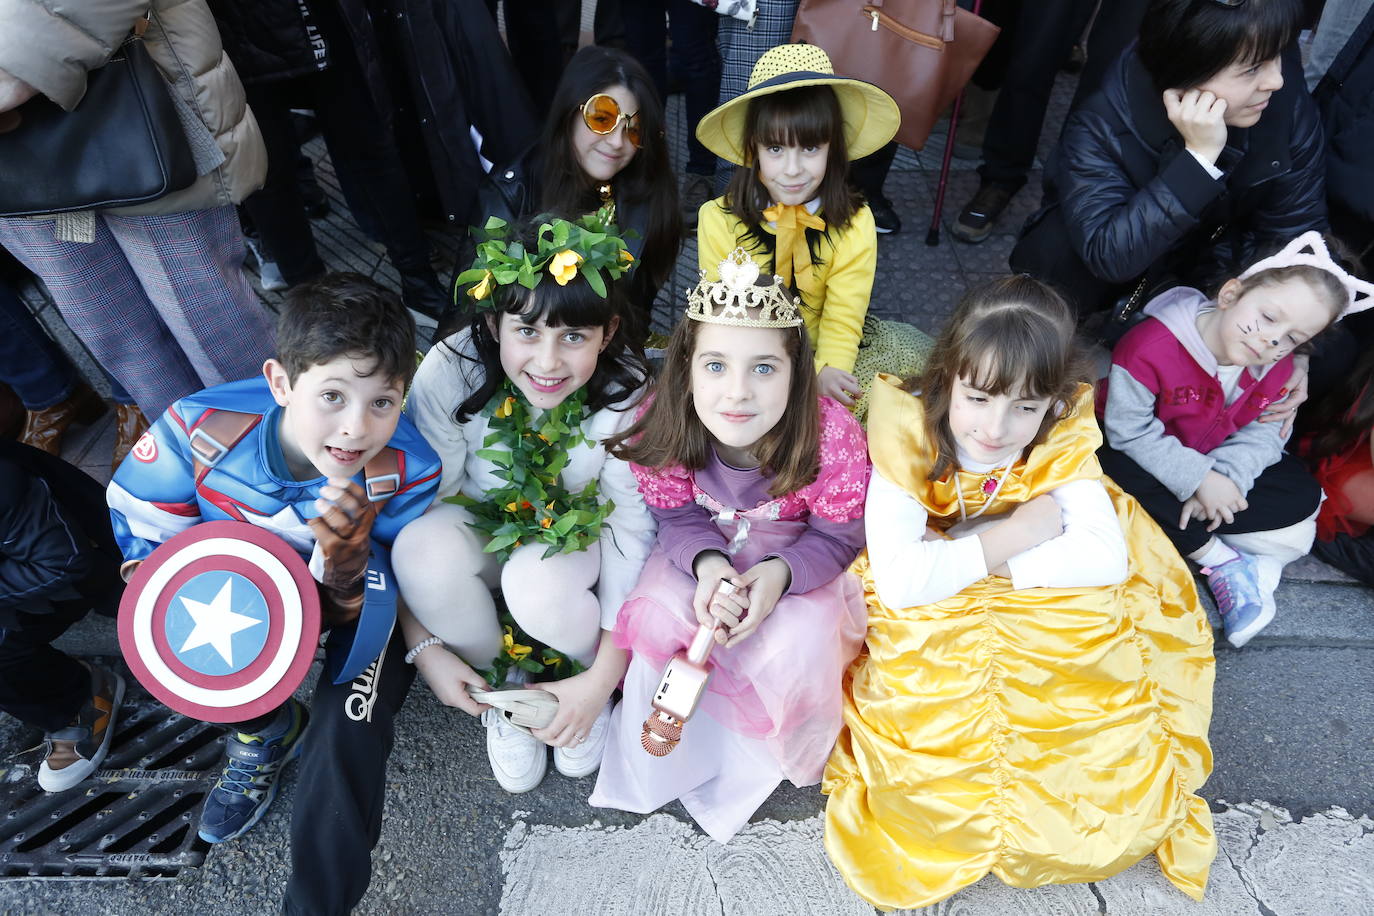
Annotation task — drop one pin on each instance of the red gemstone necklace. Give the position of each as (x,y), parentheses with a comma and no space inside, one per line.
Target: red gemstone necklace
(991,485)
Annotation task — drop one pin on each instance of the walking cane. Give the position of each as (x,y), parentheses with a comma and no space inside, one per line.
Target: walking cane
(933,235)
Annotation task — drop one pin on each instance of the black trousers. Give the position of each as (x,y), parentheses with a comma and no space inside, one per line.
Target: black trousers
(1043,34)
(366,160)
(39,685)
(337,818)
(695,59)
(1283,495)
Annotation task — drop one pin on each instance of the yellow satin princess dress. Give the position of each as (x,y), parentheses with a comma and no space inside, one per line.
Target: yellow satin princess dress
(1047,735)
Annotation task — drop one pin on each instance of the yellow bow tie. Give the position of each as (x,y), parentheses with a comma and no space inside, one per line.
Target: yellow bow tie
(792,255)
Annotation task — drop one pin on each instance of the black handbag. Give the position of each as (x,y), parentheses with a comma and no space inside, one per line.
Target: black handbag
(122,145)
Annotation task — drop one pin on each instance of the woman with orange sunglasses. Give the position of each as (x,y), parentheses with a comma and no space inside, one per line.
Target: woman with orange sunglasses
(602,141)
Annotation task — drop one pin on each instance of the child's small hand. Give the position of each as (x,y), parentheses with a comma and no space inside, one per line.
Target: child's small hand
(344,530)
(838,384)
(711,567)
(1192,509)
(449,676)
(580,700)
(1041,517)
(766,582)
(1220,499)
(1286,410)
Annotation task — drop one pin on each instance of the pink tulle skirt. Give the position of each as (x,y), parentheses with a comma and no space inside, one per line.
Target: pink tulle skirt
(774,699)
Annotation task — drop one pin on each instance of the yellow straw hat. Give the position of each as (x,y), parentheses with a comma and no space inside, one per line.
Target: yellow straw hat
(870,115)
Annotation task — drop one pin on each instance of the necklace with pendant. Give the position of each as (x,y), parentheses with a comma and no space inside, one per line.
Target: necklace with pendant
(991,485)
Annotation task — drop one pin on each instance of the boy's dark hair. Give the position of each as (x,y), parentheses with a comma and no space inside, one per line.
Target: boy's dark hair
(1184,43)
(620,369)
(345,314)
(648,180)
(670,433)
(1010,335)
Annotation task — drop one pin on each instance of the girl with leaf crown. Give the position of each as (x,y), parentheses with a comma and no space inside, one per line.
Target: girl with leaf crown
(517,405)
(758,481)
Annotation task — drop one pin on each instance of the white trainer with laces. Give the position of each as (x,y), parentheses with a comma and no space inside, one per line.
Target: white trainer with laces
(585,758)
(518,759)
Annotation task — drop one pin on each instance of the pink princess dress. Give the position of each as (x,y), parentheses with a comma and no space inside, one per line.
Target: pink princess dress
(772,708)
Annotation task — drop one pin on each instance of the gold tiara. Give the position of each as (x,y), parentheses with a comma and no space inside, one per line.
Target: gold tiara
(729,299)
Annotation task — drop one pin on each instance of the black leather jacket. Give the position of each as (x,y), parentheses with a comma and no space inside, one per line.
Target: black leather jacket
(1131,199)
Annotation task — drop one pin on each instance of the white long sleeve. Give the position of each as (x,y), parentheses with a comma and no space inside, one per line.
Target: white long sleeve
(907,570)
(1091,551)
(910,571)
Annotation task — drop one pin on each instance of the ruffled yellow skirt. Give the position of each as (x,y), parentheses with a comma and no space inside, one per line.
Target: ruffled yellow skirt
(1044,735)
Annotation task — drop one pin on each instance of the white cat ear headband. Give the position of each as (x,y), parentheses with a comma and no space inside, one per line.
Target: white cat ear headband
(1310,249)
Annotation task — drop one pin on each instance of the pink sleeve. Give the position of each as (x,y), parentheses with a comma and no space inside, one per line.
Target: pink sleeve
(838,492)
(664,488)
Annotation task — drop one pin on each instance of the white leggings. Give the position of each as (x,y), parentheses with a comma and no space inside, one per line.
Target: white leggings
(446,581)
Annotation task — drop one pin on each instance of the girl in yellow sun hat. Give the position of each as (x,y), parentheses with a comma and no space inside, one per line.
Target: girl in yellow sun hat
(793,133)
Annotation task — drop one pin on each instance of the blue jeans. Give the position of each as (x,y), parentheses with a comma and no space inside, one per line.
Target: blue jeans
(31,363)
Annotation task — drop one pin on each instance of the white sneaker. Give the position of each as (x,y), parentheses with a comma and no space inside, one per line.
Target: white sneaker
(584,759)
(517,758)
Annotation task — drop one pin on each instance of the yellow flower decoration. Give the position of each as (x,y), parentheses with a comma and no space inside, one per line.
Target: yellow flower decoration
(512,648)
(506,409)
(545,522)
(563,267)
(483,289)
(626,257)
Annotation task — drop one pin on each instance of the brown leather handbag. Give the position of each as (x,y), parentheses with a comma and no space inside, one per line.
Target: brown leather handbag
(921,52)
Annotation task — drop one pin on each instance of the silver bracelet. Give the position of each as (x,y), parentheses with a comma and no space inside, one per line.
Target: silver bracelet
(421,646)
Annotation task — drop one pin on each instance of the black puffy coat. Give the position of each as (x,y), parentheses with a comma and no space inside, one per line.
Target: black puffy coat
(56,546)
(1346,98)
(434,68)
(1125,200)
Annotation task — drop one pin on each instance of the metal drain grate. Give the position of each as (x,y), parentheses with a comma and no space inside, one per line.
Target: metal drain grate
(136,817)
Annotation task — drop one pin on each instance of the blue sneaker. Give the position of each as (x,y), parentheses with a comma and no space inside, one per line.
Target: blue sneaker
(248,784)
(1235,586)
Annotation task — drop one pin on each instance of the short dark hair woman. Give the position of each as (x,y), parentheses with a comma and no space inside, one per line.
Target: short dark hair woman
(1201,152)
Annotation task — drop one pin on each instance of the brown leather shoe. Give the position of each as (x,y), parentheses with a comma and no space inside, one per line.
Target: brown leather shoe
(130,423)
(44,428)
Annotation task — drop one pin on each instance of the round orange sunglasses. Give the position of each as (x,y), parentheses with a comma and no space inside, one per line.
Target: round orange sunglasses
(602,115)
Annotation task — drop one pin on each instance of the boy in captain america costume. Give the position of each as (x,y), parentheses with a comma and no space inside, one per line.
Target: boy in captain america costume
(318,452)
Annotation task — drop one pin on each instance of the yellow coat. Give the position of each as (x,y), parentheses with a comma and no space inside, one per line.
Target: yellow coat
(834,291)
(1048,735)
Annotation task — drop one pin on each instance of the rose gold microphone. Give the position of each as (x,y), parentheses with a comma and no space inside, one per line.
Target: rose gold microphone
(680,688)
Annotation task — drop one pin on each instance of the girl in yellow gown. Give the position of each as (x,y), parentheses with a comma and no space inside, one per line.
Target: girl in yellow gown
(1035,691)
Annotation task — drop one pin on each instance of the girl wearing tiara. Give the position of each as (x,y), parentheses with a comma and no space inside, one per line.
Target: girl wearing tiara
(756,481)
(1037,685)
(1182,418)
(793,135)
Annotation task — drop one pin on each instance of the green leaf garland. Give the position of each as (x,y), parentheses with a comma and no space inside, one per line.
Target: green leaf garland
(533,506)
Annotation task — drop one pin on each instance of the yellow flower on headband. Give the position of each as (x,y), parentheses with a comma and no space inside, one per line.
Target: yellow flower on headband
(626,257)
(563,267)
(506,408)
(482,289)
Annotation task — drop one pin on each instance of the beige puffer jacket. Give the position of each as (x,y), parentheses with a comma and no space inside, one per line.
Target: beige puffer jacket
(52,45)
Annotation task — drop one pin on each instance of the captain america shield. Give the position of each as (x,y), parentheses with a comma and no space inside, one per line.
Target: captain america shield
(221,622)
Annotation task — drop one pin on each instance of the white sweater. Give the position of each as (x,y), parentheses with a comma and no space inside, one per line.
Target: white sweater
(909,570)
(444,380)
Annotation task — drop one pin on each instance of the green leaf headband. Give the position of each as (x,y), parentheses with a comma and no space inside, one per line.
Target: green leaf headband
(587,246)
